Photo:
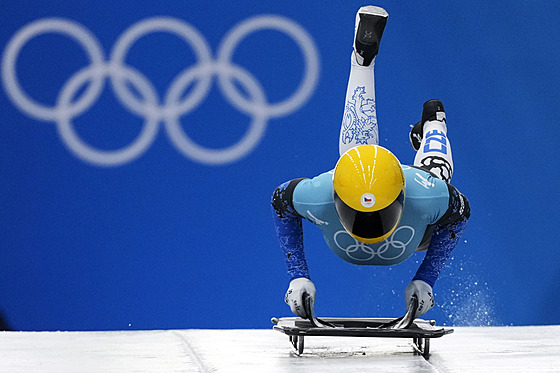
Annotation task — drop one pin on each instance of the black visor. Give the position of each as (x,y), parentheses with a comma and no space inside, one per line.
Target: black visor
(370,225)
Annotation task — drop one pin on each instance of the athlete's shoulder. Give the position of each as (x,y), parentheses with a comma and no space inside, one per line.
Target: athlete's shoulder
(422,183)
(426,195)
(315,190)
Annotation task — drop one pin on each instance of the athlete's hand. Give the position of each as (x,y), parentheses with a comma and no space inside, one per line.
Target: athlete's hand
(423,292)
(294,295)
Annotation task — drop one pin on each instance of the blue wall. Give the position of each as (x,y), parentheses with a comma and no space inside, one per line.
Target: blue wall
(165,236)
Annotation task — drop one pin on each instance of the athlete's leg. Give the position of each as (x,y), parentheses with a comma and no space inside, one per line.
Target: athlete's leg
(359,122)
(429,138)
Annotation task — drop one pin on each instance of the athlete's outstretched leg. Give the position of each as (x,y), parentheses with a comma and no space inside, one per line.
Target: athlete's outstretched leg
(429,138)
(359,122)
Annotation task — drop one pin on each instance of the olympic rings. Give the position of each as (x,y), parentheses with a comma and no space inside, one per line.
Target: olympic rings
(34,29)
(362,252)
(144,101)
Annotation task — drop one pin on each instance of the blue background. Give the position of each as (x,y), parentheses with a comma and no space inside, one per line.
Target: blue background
(165,241)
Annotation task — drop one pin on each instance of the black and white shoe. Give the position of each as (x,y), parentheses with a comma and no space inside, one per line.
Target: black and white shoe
(432,110)
(370,23)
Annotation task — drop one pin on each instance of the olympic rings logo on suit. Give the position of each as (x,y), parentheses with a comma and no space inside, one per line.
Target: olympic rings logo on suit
(380,251)
(148,106)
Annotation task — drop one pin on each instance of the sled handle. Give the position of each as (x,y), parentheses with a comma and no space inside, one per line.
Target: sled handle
(403,322)
(310,311)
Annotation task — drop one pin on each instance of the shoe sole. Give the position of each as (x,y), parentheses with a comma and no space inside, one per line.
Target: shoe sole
(370,10)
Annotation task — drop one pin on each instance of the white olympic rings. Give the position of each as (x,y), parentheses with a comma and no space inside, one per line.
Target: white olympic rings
(144,101)
(368,253)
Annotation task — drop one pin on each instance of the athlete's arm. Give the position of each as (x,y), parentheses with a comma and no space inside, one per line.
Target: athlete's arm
(446,234)
(288,224)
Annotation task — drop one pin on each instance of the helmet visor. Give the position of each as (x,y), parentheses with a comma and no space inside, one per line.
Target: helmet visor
(373,224)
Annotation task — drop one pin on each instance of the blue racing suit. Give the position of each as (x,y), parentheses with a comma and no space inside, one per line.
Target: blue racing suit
(434,217)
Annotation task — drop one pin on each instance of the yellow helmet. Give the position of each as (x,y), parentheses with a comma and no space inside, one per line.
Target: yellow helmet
(368,185)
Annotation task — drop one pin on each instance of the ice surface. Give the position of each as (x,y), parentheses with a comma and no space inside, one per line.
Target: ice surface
(469,349)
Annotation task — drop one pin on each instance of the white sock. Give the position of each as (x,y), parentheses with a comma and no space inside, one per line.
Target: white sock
(435,150)
(359,121)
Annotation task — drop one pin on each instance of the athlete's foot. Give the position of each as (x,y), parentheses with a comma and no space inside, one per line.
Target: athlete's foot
(431,111)
(370,23)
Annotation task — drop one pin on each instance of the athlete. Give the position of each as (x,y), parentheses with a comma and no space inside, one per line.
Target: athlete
(371,209)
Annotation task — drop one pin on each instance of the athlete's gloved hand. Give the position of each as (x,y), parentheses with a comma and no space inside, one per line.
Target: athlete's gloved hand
(294,295)
(423,292)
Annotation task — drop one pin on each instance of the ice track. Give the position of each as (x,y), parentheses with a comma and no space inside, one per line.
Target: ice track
(484,349)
